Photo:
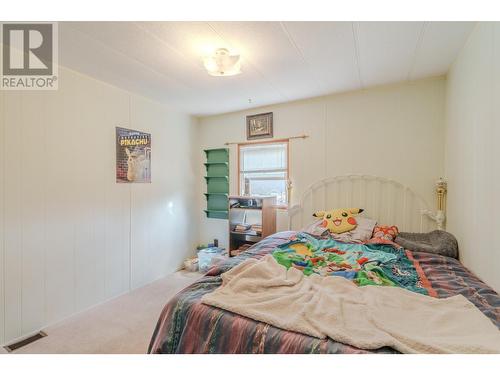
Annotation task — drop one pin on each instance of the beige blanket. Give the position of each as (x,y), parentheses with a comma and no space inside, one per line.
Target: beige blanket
(367,317)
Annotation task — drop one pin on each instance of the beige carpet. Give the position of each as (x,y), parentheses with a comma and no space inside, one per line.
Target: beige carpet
(122,325)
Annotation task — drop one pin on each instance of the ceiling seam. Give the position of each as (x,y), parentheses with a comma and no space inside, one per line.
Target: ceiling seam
(299,51)
(133,59)
(356,52)
(417,49)
(219,34)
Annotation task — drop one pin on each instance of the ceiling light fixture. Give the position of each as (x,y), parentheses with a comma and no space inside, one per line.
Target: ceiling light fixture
(221,63)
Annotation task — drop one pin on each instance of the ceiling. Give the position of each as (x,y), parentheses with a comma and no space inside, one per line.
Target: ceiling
(281,61)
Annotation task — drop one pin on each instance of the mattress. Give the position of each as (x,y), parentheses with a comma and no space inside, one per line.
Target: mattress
(188,326)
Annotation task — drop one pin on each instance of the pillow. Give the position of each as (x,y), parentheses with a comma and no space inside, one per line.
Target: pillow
(316,229)
(340,220)
(385,232)
(361,233)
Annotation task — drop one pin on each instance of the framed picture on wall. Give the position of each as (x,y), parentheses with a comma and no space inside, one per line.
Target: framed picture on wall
(260,126)
(133,156)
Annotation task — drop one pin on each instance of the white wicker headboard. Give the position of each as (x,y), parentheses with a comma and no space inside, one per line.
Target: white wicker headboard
(385,200)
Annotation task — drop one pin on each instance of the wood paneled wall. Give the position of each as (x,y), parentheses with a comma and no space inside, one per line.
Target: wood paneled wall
(70,236)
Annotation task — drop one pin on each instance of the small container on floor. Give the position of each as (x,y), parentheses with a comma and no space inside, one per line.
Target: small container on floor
(205,257)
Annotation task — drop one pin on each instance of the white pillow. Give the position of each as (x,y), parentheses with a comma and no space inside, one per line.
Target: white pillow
(362,232)
(315,228)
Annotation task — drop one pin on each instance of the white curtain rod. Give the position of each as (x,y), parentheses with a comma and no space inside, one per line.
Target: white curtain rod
(303,136)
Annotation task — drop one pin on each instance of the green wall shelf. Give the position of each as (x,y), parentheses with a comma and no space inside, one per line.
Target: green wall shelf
(217,180)
(214,177)
(214,214)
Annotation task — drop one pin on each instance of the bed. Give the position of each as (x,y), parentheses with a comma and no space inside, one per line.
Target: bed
(186,325)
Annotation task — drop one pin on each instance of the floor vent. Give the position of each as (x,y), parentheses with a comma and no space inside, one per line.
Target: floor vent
(26,341)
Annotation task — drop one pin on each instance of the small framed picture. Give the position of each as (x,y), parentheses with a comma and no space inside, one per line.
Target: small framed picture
(260,126)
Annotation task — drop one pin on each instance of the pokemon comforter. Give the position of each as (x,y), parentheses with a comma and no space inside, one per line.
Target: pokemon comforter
(369,264)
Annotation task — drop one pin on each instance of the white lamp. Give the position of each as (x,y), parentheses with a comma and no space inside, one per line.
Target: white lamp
(221,63)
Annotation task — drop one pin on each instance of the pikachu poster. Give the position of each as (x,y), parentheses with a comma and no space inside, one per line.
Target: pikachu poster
(133,156)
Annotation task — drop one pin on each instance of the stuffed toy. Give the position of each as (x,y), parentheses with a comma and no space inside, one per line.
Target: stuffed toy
(340,220)
(386,232)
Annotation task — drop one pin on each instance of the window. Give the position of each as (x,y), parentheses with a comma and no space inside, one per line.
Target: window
(263,170)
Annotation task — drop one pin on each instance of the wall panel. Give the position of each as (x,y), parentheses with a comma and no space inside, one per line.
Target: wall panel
(13,253)
(162,211)
(32,155)
(88,131)
(472,133)
(117,208)
(65,238)
(61,203)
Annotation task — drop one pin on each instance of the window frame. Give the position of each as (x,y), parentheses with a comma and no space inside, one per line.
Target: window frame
(274,141)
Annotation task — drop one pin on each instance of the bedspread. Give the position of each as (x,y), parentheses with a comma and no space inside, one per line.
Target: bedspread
(364,264)
(188,326)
